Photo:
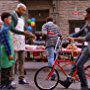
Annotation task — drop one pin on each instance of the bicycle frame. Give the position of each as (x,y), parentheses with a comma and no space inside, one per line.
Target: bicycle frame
(68,62)
(62,69)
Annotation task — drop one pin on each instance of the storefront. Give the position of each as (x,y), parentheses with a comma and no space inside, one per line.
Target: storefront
(69,15)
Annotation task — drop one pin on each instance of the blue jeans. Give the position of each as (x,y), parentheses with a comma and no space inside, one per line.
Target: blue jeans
(84,57)
(50,52)
(51,57)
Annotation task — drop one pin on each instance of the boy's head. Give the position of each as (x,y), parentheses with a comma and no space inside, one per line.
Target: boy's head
(49,19)
(6,18)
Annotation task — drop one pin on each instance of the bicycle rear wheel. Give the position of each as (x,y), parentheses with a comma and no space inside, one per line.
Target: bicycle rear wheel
(41,80)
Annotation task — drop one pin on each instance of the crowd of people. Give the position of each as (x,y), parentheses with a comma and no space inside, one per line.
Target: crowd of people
(12,47)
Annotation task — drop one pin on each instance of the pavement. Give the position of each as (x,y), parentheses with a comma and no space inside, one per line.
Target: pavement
(34,65)
(37,65)
(31,68)
(30,78)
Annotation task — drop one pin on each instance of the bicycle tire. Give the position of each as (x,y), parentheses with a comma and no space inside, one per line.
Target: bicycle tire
(45,82)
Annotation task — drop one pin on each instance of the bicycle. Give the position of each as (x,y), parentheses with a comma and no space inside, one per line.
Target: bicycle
(43,76)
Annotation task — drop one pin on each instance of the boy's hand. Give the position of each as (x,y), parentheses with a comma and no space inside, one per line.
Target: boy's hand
(11,57)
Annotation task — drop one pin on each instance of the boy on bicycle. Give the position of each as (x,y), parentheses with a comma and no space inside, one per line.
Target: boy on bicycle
(51,31)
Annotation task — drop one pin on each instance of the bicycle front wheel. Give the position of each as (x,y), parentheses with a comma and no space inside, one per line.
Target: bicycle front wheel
(43,82)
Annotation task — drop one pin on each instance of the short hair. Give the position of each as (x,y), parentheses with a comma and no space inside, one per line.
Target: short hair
(20,5)
(5,15)
(49,19)
(88,10)
(87,17)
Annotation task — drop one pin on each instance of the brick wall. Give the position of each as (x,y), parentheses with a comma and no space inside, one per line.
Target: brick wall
(64,8)
(65,13)
(7,5)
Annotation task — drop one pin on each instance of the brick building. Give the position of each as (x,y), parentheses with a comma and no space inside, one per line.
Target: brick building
(7,5)
(68,14)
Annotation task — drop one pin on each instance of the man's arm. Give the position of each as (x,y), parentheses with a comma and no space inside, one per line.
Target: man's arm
(81,32)
(77,34)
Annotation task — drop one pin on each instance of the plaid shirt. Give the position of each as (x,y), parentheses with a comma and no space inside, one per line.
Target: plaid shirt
(4,39)
(52,32)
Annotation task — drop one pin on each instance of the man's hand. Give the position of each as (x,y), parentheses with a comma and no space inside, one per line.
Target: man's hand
(11,57)
(34,37)
(70,39)
(26,33)
(30,35)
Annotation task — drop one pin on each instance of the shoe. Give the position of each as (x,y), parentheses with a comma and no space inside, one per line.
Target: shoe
(10,87)
(85,88)
(53,77)
(67,82)
(23,81)
(2,87)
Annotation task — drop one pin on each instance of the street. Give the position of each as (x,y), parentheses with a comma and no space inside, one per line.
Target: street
(30,77)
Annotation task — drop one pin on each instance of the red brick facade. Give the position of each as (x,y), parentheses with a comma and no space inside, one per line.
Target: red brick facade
(8,5)
(62,10)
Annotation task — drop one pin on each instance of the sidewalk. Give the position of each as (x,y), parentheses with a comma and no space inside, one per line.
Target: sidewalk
(37,65)
(34,65)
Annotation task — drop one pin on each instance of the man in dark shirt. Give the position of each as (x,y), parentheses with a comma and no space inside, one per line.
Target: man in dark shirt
(84,57)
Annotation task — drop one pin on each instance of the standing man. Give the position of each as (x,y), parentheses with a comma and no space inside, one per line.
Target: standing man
(18,29)
(51,31)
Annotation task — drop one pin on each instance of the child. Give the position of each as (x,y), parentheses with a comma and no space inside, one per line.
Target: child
(7,57)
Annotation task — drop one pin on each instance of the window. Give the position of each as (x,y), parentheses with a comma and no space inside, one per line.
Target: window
(75,24)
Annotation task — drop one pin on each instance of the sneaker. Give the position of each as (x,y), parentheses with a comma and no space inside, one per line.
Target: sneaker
(10,87)
(85,88)
(13,83)
(53,77)
(2,87)
(66,83)
(23,81)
